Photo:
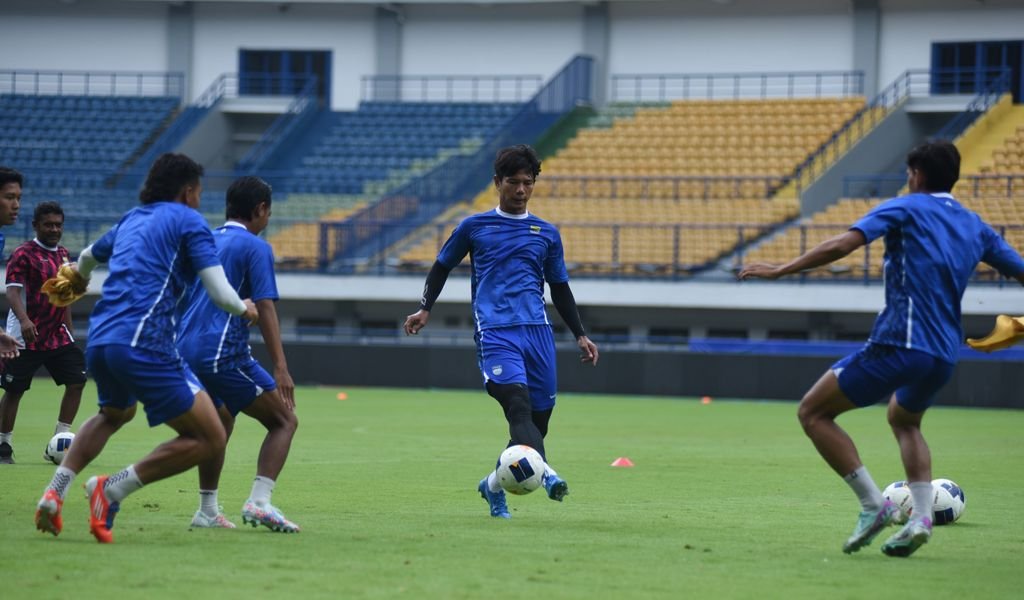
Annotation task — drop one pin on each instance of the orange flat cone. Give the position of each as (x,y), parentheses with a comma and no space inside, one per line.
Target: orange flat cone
(342,396)
(622,461)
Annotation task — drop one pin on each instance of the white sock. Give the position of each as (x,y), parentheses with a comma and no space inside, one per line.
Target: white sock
(867,492)
(924,498)
(549,472)
(6,437)
(61,481)
(492,483)
(61,428)
(120,484)
(262,488)
(208,503)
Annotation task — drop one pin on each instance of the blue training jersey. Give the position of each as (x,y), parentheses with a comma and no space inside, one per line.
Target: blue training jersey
(932,246)
(153,253)
(211,339)
(512,256)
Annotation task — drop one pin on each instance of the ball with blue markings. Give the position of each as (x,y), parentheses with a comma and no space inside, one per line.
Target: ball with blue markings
(58,447)
(520,470)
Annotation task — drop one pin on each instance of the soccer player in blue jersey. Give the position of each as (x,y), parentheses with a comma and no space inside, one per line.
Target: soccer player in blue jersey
(216,347)
(513,253)
(11,182)
(932,246)
(153,253)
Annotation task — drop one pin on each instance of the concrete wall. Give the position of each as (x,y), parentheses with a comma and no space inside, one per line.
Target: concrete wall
(487,39)
(978,383)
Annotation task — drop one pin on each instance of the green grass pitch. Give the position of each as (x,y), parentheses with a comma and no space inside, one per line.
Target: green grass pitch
(727,500)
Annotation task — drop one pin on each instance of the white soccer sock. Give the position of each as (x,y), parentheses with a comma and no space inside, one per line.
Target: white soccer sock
(262,488)
(6,437)
(61,428)
(492,483)
(867,492)
(924,498)
(548,471)
(120,484)
(61,481)
(208,503)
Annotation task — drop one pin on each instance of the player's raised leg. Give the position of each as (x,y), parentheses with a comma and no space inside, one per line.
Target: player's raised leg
(817,413)
(270,410)
(92,437)
(200,437)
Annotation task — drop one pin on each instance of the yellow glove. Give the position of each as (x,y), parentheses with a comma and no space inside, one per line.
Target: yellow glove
(67,287)
(1007,332)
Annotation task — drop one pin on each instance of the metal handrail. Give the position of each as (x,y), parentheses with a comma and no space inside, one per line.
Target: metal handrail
(449,88)
(92,83)
(661,87)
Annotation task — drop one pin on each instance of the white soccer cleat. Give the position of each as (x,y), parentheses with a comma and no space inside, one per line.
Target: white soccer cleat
(219,521)
(267,515)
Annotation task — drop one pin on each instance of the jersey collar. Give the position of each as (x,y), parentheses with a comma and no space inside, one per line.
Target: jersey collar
(946,195)
(502,213)
(234,224)
(44,246)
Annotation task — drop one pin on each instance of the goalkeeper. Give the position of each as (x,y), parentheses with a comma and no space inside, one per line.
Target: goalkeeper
(43,331)
(932,246)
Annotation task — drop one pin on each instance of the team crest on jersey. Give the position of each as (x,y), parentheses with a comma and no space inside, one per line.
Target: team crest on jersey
(496,369)
(534,228)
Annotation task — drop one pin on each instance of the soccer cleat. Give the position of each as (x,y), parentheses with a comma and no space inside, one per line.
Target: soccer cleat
(48,519)
(912,536)
(556,487)
(219,521)
(267,515)
(6,454)
(869,525)
(101,510)
(495,500)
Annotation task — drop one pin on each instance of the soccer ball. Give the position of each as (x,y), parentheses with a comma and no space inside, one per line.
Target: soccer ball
(949,501)
(520,470)
(898,492)
(58,447)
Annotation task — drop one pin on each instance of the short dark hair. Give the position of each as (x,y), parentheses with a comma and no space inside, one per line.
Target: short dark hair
(47,208)
(939,162)
(168,175)
(514,159)
(245,195)
(9,175)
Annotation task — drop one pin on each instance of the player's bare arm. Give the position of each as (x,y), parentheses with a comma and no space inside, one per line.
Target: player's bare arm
(270,328)
(28,328)
(824,253)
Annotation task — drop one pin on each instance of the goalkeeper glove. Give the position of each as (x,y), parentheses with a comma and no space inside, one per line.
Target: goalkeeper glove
(66,287)
(1007,332)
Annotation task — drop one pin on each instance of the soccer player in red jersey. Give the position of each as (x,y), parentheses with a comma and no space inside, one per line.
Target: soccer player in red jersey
(43,331)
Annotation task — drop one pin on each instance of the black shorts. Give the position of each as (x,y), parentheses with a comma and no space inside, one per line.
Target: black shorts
(65,364)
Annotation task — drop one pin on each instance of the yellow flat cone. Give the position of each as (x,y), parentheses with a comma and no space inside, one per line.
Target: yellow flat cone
(1007,332)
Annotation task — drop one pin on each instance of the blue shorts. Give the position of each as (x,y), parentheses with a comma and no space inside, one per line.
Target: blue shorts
(520,354)
(875,372)
(164,385)
(237,388)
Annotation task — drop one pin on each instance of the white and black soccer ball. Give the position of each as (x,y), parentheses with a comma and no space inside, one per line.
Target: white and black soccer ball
(58,447)
(949,501)
(520,470)
(898,492)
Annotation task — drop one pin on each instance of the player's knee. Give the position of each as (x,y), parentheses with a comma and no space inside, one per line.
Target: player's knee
(807,415)
(514,399)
